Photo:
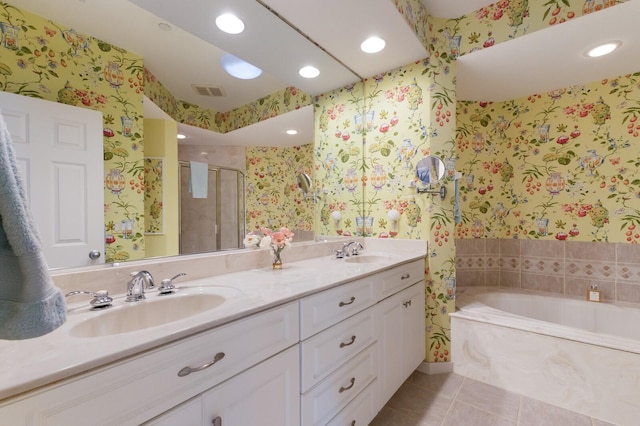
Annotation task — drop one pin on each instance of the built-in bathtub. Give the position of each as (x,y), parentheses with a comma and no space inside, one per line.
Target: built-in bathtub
(583,356)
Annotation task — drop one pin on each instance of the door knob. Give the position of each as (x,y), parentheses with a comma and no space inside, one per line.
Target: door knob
(94,254)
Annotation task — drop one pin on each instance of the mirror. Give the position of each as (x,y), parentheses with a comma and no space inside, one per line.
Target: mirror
(304,183)
(430,169)
(107,74)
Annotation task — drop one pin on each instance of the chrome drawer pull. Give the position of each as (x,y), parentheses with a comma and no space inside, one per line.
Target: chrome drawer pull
(405,277)
(353,339)
(407,303)
(188,370)
(342,388)
(217,421)
(353,299)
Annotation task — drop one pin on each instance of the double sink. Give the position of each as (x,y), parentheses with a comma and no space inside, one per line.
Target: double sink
(159,309)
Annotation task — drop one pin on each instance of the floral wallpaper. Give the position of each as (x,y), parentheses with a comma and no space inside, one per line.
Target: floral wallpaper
(272,198)
(507,19)
(559,165)
(42,59)
(369,138)
(280,102)
(153,195)
(416,17)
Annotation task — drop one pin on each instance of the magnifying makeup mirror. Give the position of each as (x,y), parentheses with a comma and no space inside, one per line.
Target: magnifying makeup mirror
(431,170)
(304,183)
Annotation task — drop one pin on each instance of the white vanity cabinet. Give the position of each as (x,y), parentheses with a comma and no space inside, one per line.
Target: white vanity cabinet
(330,357)
(264,394)
(343,337)
(402,338)
(136,389)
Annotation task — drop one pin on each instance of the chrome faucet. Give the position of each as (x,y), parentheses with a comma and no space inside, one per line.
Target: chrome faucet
(139,282)
(352,248)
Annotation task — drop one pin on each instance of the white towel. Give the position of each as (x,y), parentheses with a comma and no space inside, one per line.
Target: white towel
(199,182)
(30,304)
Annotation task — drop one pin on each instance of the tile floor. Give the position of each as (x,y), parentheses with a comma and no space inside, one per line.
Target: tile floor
(453,400)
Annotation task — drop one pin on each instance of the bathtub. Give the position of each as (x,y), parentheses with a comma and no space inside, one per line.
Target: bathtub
(579,355)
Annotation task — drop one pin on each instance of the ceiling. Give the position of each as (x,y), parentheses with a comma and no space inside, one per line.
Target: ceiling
(283,35)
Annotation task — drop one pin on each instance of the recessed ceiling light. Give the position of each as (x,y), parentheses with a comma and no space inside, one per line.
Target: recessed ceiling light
(181,136)
(372,45)
(292,132)
(164,26)
(239,68)
(309,72)
(604,49)
(230,23)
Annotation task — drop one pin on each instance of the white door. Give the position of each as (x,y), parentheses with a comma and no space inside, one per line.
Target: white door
(59,150)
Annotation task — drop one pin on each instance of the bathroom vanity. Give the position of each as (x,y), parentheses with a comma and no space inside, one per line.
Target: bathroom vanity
(323,341)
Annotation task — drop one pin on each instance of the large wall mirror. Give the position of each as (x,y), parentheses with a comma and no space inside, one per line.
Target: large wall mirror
(171,54)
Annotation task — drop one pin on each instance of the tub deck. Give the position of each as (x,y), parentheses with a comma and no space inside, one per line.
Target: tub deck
(576,368)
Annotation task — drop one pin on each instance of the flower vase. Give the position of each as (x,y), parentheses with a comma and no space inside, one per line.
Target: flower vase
(277,260)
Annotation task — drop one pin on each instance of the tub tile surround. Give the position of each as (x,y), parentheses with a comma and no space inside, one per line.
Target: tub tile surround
(245,278)
(563,267)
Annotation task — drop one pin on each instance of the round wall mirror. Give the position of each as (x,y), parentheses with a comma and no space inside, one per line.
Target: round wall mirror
(304,183)
(430,169)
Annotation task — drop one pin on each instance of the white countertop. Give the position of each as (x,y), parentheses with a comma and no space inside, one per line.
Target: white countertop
(28,364)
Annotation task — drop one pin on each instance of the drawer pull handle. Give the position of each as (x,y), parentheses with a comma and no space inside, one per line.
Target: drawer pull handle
(217,421)
(343,388)
(407,303)
(353,339)
(188,370)
(341,304)
(405,277)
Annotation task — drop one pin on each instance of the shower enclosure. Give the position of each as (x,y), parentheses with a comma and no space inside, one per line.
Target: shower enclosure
(217,222)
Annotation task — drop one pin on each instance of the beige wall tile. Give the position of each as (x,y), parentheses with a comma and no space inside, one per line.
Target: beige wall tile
(542,282)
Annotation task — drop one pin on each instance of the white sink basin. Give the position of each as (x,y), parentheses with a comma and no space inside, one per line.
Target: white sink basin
(155,310)
(367,259)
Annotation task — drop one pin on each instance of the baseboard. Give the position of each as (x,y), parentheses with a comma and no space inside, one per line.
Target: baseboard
(435,367)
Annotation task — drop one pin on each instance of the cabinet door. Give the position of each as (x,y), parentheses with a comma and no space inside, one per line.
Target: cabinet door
(413,330)
(266,394)
(186,414)
(401,338)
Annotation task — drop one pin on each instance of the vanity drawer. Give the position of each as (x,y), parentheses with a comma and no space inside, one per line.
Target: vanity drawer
(361,411)
(134,390)
(400,277)
(325,400)
(326,351)
(321,311)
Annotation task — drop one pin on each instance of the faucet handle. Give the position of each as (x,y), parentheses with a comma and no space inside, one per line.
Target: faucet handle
(166,285)
(101,298)
(356,249)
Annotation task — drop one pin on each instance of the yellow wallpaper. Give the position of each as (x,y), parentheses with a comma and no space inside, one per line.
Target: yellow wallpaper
(43,59)
(507,19)
(368,140)
(272,196)
(562,164)
(280,102)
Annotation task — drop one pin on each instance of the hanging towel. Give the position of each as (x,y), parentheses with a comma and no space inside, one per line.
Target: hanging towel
(457,217)
(199,182)
(30,303)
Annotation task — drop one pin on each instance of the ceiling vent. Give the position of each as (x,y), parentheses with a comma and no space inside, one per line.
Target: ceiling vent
(208,90)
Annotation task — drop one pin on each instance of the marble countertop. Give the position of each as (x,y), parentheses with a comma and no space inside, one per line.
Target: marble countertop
(29,364)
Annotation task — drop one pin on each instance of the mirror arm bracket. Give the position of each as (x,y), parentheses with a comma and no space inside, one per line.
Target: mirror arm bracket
(442,191)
